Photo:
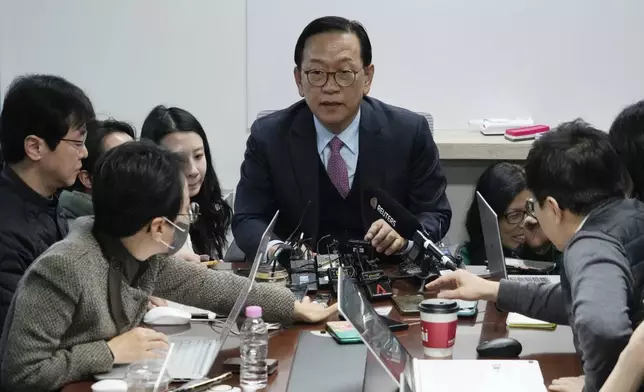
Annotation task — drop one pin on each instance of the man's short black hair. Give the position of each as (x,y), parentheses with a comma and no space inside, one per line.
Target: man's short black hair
(96,133)
(134,183)
(41,105)
(627,136)
(328,24)
(577,166)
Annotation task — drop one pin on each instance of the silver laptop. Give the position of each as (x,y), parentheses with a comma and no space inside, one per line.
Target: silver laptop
(192,357)
(494,250)
(385,348)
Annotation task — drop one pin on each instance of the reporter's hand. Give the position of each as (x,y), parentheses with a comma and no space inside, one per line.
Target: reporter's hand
(312,312)
(384,238)
(137,344)
(461,284)
(188,255)
(567,384)
(534,236)
(153,302)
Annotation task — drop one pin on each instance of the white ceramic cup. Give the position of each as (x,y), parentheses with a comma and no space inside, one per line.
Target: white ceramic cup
(438,321)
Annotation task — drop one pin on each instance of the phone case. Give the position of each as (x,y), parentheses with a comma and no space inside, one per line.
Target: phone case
(467,308)
(343,332)
(407,304)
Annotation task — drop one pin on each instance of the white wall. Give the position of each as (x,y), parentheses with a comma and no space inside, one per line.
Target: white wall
(130,55)
(470,59)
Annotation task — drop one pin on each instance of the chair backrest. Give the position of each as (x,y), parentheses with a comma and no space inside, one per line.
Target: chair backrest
(265,113)
(430,120)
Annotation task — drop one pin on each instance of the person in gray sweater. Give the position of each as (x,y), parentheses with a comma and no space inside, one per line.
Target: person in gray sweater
(79,307)
(578,185)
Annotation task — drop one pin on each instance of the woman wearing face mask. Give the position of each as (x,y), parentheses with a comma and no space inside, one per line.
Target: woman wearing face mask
(78,308)
(503,186)
(180,132)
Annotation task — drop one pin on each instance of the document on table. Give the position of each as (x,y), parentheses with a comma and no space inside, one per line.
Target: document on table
(516,320)
(478,375)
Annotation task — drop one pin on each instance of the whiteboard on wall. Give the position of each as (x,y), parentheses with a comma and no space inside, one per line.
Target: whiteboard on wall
(469,59)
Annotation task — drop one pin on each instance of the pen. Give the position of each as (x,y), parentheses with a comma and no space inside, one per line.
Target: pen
(210,263)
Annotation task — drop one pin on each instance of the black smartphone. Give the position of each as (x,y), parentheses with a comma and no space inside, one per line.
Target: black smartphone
(393,325)
(300,291)
(322,298)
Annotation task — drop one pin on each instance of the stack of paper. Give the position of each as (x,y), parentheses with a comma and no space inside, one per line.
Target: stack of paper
(516,320)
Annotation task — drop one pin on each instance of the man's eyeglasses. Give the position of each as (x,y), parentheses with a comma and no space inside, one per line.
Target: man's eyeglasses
(77,144)
(193,213)
(515,217)
(318,78)
(529,207)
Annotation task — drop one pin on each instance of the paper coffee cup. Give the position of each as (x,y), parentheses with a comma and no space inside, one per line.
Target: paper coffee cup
(438,320)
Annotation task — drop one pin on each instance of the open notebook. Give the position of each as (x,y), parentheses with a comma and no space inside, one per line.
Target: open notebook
(516,320)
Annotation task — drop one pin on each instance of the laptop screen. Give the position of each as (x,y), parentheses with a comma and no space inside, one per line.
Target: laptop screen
(243,294)
(492,239)
(384,345)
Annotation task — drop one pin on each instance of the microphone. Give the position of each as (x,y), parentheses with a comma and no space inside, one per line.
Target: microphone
(285,251)
(306,208)
(406,224)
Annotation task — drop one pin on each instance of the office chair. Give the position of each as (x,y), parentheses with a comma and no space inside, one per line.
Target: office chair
(430,120)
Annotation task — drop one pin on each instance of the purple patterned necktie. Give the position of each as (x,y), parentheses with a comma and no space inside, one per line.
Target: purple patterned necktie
(337,168)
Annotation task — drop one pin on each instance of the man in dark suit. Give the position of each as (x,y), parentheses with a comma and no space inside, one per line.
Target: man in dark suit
(313,160)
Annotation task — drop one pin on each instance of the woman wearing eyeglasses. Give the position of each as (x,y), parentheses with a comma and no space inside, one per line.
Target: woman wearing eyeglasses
(503,186)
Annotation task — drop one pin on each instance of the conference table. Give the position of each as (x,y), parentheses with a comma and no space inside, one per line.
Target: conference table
(553,350)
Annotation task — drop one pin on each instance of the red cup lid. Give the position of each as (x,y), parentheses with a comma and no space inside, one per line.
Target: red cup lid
(440,306)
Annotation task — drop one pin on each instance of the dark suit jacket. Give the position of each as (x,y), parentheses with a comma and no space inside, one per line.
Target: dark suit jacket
(280,171)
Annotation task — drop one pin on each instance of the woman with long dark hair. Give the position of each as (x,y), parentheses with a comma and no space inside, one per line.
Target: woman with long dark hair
(503,186)
(181,132)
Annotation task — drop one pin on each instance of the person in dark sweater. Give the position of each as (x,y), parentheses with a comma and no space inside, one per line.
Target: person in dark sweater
(627,136)
(578,185)
(102,136)
(42,134)
(503,186)
(315,160)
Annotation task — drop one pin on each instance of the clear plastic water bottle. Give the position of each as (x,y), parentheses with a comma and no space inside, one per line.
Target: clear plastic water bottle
(254,351)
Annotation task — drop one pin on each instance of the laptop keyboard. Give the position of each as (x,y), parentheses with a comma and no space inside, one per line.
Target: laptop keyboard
(537,279)
(189,356)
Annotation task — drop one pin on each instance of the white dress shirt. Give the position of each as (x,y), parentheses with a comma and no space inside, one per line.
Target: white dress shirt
(350,136)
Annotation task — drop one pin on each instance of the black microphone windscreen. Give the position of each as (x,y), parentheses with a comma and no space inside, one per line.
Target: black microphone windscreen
(387,208)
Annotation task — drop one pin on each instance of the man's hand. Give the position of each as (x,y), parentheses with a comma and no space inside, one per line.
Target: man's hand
(312,312)
(384,238)
(461,284)
(137,344)
(535,238)
(567,384)
(153,302)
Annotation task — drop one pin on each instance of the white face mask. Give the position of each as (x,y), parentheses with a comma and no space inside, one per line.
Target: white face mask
(181,231)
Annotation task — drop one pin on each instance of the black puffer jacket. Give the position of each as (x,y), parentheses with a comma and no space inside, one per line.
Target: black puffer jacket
(29,224)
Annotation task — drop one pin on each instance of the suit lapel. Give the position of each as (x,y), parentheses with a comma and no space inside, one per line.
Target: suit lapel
(304,155)
(371,158)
